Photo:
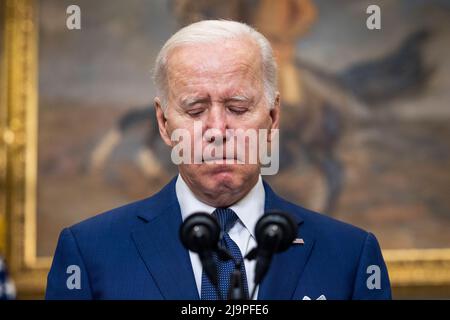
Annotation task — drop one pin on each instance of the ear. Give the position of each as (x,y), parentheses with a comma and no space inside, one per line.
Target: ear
(275,116)
(162,122)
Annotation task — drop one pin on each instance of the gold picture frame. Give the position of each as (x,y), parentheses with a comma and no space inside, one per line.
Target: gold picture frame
(18,128)
(415,273)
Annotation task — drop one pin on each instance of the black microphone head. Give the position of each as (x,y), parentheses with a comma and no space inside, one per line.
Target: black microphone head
(200,232)
(275,224)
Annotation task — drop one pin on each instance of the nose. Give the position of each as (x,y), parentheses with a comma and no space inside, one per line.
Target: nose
(216,120)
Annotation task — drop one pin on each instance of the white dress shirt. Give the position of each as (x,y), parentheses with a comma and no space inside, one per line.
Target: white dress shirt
(249,209)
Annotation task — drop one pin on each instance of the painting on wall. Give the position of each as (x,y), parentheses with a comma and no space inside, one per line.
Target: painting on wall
(364,131)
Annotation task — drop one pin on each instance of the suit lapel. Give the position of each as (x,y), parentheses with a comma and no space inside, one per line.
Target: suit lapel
(286,268)
(161,250)
(168,262)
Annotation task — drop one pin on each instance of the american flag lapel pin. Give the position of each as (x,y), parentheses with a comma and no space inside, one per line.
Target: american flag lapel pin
(298,241)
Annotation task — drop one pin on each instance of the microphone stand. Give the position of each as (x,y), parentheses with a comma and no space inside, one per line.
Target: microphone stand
(263,260)
(251,256)
(236,290)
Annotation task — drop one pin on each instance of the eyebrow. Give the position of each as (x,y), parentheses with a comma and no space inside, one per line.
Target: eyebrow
(190,101)
(241,98)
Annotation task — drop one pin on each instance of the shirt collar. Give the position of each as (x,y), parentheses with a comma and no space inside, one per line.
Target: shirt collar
(249,209)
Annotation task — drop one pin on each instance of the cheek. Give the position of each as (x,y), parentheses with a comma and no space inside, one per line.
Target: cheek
(258,121)
(175,121)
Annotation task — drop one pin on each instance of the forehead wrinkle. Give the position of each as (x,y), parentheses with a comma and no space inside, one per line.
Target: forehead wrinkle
(226,80)
(190,74)
(223,89)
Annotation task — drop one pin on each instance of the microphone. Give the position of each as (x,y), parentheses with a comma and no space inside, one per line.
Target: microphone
(200,233)
(274,232)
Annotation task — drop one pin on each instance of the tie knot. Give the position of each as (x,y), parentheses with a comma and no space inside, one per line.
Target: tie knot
(226,217)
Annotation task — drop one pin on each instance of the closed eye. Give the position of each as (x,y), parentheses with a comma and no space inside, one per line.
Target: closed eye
(195,112)
(237,110)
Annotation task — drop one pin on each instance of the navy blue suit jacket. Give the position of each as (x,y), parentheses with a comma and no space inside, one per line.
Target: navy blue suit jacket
(134,252)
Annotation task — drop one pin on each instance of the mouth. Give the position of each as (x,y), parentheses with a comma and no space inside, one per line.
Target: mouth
(223,160)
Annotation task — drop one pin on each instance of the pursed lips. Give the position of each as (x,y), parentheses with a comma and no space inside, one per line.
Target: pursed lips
(222,160)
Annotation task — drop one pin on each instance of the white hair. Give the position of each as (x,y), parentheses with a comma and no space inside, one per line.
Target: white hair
(209,31)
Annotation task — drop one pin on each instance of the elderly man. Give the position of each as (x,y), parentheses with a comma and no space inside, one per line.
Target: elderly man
(216,76)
